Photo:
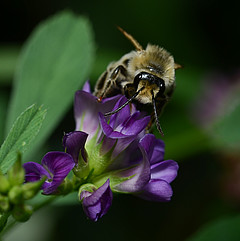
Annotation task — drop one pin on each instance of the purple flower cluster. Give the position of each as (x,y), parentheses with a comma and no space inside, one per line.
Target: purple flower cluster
(112,154)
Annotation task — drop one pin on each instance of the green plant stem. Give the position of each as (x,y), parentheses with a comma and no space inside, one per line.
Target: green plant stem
(13,222)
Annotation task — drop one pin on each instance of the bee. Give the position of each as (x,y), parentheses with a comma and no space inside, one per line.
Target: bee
(145,76)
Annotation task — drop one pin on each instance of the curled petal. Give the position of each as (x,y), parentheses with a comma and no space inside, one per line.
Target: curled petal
(136,127)
(165,170)
(138,175)
(74,143)
(119,117)
(157,190)
(108,130)
(59,164)
(96,204)
(132,127)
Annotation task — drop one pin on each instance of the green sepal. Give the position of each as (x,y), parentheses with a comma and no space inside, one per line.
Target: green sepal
(16,173)
(81,170)
(4,184)
(98,161)
(4,203)
(66,187)
(114,178)
(89,187)
(30,189)
(22,212)
(15,195)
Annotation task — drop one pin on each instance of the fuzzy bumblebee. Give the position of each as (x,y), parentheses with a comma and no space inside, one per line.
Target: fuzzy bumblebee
(145,76)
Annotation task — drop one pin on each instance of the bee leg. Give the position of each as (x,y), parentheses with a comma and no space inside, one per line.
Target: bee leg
(110,82)
(113,85)
(150,123)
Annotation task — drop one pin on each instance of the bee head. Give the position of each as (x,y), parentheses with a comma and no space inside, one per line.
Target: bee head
(152,86)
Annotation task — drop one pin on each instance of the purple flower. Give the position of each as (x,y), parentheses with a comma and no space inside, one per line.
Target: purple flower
(74,143)
(86,109)
(151,178)
(162,172)
(55,166)
(96,204)
(131,159)
(107,154)
(124,126)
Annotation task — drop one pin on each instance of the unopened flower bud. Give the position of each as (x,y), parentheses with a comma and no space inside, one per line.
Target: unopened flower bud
(4,184)
(66,187)
(16,194)
(96,202)
(16,174)
(30,189)
(22,213)
(4,203)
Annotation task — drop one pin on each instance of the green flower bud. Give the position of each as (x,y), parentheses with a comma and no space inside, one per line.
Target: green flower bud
(4,203)
(16,174)
(30,189)
(15,195)
(66,187)
(22,212)
(4,184)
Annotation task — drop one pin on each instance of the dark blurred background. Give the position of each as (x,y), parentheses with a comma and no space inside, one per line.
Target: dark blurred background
(203,33)
(204,37)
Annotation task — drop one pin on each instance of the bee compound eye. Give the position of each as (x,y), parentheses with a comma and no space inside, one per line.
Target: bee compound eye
(137,79)
(161,85)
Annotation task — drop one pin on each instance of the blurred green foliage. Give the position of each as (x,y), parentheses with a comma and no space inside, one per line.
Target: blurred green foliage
(202,37)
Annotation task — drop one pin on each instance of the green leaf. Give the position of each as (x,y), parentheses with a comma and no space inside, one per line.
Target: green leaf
(21,135)
(54,63)
(219,230)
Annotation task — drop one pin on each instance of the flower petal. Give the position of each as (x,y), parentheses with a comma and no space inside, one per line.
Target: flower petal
(158,151)
(74,143)
(96,204)
(107,129)
(86,109)
(119,117)
(87,87)
(153,147)
(59,164)
(157,190)
(165,170)
(140,176)
(136,127)
(34,172)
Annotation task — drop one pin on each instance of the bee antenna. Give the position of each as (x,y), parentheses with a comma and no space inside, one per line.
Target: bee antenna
(132,40)
(122,106)
(156,116)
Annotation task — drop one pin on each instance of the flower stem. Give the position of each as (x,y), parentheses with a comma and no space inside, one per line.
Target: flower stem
(13,222)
